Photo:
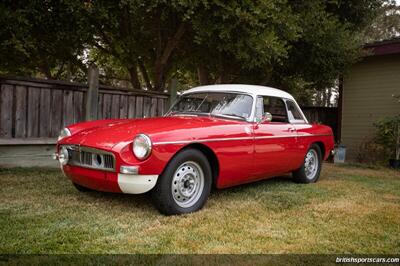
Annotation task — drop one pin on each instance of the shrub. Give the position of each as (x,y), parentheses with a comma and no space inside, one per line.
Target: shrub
(388,135)
(371,153)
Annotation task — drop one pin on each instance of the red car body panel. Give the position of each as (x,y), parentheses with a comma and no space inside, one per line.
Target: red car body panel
(245,151)
(94,179)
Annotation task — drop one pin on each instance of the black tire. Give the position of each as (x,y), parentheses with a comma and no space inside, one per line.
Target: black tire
(300,175)
(81,188)
(162,194)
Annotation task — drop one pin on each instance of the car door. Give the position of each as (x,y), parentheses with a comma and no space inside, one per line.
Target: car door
(274,141)
(303,129)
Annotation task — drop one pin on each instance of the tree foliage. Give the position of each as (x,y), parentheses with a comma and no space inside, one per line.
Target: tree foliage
(388,135)
(386,24)
(45,37)
(295,45)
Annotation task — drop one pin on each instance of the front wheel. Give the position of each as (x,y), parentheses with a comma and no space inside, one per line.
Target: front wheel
(310,171)
(185,184)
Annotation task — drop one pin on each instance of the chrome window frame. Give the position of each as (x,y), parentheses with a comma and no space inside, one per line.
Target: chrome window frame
(282,99)
(250,119)
(295,121)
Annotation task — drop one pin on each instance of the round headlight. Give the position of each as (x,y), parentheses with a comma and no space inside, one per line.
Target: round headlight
(142,146)
(63,156)
(64,133)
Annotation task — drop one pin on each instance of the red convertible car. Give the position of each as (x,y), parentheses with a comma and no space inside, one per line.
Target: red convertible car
(213,136)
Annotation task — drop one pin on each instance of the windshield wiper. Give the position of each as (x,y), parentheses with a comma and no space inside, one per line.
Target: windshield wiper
(186,113)
(234,116)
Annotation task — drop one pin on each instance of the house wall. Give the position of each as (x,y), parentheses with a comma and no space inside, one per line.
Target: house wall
(367,97)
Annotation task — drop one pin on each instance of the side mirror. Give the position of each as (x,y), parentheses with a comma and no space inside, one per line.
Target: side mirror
(267,117)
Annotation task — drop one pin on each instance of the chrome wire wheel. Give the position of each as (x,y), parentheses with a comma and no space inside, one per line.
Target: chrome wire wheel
(311,164)
(187,184)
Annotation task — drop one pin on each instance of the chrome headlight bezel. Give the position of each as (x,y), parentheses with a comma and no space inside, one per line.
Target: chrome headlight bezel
(65,132)
(63,156)
(141,146)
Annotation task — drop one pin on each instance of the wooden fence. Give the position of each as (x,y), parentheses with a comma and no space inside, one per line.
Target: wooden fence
(324,115)
(37,108)
(33,111)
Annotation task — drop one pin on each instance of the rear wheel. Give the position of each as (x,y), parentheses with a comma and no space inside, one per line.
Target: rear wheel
(185,184)
(310,171)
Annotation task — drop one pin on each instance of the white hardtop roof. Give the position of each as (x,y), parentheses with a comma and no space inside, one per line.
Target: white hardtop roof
(250,89)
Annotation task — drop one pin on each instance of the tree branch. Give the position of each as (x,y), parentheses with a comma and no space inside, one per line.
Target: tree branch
(134,77)
(172,43)
(60,70)
(145,75)
(161,62)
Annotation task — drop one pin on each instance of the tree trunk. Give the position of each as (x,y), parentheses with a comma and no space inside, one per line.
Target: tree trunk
(223,76)
(46,71)
(318,98)
(398,143)
(134,77)
(223,70)
(222,73)
(202,73)
(328,100)
(145,75)
(161,62)
(266,81)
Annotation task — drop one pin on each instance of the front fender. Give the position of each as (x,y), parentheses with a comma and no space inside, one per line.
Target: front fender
(154,164)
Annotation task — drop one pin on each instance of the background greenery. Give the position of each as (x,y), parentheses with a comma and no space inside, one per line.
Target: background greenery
(299,46)
(388,135)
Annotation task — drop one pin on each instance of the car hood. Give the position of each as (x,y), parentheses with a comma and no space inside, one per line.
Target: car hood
(109,133)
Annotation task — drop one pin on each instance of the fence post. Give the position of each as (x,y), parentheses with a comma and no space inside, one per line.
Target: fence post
(92,93)
(173,91)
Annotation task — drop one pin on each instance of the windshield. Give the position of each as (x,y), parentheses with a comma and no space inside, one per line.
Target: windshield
(231,105)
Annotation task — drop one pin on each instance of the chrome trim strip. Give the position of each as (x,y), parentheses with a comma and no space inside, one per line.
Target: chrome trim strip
(315,135)
(277,137)
(238,138)
(201,140)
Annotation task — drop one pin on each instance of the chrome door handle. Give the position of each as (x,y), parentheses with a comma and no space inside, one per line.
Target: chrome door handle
(292,129)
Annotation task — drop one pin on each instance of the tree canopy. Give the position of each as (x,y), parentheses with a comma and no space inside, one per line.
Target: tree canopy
(45,37)
(386,24)
(289,44)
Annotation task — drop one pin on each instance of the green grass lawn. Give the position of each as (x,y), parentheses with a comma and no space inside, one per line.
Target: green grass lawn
(350,210)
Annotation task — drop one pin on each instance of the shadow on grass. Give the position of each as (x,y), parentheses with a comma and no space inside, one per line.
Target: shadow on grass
(144,201)
(275,193)
(279,180)
(121,201)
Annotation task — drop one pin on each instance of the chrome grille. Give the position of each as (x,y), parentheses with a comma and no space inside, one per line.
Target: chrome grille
(108,161)
(91,158)
(86,158)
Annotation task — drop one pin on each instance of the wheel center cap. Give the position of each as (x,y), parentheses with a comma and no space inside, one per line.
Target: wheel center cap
(187,186)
